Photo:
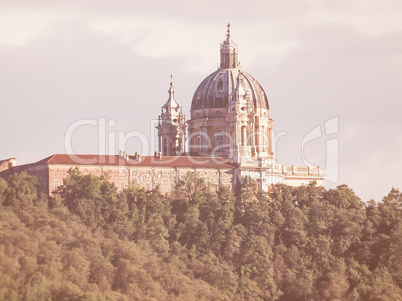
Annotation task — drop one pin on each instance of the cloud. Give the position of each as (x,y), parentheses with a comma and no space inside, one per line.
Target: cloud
(367,17)
(158,38)
(20,26)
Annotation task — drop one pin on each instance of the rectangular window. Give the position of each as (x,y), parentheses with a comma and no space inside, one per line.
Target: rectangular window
(219,140)
(122,185)
(56,184)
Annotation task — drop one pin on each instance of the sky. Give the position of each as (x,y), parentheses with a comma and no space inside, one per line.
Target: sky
(65,65)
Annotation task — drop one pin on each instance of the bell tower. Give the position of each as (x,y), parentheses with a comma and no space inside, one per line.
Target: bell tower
(171,126)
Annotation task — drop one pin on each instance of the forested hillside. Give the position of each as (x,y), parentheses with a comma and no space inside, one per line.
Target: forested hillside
(91,242)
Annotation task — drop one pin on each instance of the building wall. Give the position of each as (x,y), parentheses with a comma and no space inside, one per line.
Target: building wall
(293,181)
(145,176)
(164,177)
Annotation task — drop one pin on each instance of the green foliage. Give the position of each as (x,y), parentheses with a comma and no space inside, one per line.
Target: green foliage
(91,242)
(22,192)
(3,187)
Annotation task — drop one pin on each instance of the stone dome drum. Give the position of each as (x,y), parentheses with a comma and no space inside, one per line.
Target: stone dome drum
(218,89)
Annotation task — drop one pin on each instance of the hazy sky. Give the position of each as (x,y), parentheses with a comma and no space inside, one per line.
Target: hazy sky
(63,61)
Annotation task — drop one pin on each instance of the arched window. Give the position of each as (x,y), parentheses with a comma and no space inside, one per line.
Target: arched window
(180,145)
(219,138)
(263,137)
(268,139)
(164,150)
(243,135)
(199,142)
(175,147)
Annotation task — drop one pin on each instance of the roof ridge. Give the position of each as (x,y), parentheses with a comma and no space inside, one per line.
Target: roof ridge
(51,157)
(45,160)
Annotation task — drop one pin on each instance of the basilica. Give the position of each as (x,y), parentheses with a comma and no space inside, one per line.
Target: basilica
(229,118)
(227,137)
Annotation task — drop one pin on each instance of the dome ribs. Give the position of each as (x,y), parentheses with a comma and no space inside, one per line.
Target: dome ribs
(206,94)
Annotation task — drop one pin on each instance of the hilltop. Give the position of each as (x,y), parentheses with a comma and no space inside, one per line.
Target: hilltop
(91,242)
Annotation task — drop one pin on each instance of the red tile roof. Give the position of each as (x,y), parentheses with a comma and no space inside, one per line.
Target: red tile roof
(165,161)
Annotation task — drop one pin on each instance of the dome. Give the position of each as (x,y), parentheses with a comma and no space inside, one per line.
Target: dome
(224,85)
(219,88)
(230,113)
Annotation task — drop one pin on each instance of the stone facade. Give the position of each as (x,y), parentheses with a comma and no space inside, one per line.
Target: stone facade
(160,172)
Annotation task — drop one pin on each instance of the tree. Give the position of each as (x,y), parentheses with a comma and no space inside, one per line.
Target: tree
(23,191)
(293,243)
(3,187)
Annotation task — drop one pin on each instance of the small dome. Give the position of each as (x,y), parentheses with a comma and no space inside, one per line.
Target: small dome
(219,88)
